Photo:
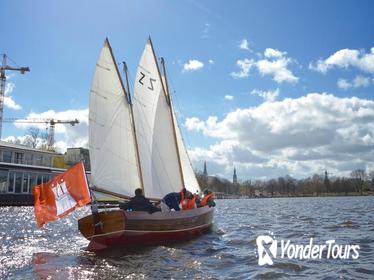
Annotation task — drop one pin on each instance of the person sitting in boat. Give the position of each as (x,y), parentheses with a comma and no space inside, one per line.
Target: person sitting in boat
(189,202)
(198,199)
(139,203)
(172,201)
(208,199)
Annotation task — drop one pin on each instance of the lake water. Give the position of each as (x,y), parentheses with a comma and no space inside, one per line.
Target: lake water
(57,251)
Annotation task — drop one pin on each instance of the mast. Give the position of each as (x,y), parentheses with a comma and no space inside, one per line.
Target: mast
(167,96)
(133,125)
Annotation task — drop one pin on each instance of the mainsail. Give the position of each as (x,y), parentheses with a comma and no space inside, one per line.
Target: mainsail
(114,163)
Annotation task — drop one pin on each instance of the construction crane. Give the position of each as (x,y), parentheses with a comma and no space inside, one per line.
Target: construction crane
(51,122)
(5,67)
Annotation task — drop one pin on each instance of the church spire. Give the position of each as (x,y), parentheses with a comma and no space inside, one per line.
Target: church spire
(234,177)
(205,173)
(327,181)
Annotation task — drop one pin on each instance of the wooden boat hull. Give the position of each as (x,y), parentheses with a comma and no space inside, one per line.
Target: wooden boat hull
(128,229)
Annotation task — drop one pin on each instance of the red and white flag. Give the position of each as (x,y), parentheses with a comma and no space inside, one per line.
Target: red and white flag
(61,195)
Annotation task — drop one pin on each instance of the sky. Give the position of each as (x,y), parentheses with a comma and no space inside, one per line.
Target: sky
(269,87)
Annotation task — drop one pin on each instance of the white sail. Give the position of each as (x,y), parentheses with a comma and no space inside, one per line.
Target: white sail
(111,138)
(156,140)
(189,176)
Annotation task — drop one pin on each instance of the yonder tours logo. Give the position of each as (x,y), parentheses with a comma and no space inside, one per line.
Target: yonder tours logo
(267,249)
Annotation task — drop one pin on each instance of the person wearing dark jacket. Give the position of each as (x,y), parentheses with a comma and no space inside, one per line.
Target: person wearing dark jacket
(172,200)
(139,203)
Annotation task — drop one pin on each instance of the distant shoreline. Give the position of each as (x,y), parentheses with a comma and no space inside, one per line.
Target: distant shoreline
(370,193)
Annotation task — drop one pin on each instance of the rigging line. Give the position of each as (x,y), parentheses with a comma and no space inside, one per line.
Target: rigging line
(174,96)
(189,159)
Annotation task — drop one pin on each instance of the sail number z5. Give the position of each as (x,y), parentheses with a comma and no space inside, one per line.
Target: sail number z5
(151,81)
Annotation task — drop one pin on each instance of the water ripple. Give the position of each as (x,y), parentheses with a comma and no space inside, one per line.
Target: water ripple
(228,252)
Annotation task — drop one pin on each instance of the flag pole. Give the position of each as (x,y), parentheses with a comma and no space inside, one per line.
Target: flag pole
(96,222)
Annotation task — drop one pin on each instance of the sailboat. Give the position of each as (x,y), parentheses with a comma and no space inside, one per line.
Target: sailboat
(137,144)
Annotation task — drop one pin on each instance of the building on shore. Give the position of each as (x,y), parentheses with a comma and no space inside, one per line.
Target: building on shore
(74,155)
(22,167)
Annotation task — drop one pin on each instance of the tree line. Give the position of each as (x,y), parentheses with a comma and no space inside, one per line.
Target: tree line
(359,182)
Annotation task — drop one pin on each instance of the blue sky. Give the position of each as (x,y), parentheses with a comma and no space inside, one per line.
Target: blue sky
(284,44)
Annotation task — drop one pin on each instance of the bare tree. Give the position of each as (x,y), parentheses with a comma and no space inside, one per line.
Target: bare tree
(281,185)
(359,175)
(36,139)
(317,183)
(271,185)
(290,184)
(371,178)
(32,136)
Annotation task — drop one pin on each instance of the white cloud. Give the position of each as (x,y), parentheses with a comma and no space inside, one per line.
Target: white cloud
(224,154)
(358,81)
(194,124)
(245,65)
(244,45)
(268,96)
(9,88)
(11,104)
(274,65)
(193,65)
(229,97)
(277,68)
(8,99)
(361,81)
(211,61)
(346,58)
(206,30)
(344,84)
(298,136)
(65,134)
(273,53)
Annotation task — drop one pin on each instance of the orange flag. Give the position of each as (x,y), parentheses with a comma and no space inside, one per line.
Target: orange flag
(61,195)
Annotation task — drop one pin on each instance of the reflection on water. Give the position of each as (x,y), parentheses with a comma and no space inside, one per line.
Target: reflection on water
(229,251)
